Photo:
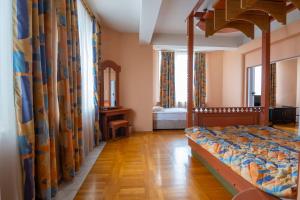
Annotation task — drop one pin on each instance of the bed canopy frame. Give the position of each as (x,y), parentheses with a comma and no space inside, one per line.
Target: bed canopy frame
(240,15)
(229,15)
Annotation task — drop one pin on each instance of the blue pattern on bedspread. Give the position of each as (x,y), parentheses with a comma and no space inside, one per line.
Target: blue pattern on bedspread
(264,156)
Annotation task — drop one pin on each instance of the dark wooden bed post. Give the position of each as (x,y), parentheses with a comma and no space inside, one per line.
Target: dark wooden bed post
(265,87)
(190,41)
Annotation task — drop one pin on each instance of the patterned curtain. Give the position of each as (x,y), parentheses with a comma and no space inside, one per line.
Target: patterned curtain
(199,80)
(167,80)
(273,84)
(97,77)
(33,84)
(48,93)
(69,88)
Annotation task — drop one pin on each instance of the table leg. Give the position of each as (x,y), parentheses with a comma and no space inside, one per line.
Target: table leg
(106,128)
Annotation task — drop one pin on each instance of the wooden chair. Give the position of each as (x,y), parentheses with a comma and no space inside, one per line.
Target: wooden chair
(116,124)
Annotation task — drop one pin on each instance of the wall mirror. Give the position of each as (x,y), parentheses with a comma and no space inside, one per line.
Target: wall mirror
(110,84)
(284,90)
(285,75)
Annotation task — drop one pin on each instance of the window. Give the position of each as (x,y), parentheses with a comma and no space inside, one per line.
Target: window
(181,79)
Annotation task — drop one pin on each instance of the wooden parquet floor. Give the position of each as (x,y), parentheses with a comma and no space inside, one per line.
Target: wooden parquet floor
(293,128)
(152,166)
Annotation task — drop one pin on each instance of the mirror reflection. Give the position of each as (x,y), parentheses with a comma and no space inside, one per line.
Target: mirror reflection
(109,87)
(284,93)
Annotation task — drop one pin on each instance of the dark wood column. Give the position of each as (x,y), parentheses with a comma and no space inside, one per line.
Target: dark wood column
(190,41)
(265,85)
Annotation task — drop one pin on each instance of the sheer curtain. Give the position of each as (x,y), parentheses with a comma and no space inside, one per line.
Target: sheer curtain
(180,79)
(86,58)
(10,168)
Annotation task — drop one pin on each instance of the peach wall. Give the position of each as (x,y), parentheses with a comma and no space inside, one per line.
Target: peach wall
(298,83)
(214,76)
(284,44)
(286,83)
(136,80)
(110,41)
(232,88)
(156,80)
(136,77)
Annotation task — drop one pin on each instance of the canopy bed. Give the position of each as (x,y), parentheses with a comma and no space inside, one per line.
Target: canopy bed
(112,115)
(241,138)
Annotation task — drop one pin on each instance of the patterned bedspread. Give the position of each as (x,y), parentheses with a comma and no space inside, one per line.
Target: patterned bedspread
(264,156)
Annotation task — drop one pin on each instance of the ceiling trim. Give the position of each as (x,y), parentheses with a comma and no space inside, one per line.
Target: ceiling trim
(222,42)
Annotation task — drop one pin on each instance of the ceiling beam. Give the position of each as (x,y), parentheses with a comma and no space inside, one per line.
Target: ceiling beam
(148,18)
(216,42)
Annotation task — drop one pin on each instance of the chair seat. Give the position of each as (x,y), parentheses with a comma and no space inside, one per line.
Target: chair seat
(118,123)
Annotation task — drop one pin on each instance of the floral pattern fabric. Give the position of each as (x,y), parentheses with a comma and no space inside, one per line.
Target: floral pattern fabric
(69,88)
(264,156)
(199,80)
(97,78)
(33,65)
(167,79)
(39,84)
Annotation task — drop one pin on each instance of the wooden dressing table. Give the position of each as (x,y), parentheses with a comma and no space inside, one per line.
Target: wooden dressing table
(106,115)
(109,100)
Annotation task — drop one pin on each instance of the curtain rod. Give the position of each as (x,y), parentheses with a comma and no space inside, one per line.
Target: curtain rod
(90,11)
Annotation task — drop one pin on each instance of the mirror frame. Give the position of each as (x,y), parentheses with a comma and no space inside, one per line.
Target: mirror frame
(117,68)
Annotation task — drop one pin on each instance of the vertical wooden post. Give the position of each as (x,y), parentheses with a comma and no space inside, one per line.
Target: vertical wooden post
(265,87)
(190,41)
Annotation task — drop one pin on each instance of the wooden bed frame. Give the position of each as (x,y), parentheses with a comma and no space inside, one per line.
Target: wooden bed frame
(230,179)
(233,14)
(226,116)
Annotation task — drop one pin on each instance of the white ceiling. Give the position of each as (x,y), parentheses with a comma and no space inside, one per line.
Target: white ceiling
(125,15)
(163,18)
(120,15)
(172,16)
(162,22)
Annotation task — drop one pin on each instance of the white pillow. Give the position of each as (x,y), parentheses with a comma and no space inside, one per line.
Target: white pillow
(157,108)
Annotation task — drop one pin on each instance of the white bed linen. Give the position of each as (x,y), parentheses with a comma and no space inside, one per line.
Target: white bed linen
(170,114)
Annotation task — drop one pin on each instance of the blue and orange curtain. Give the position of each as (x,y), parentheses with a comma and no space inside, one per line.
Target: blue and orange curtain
(167,79)
(199,80)
(273,85)
(33,66)
(97,77)
(48,93)
(69,88)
